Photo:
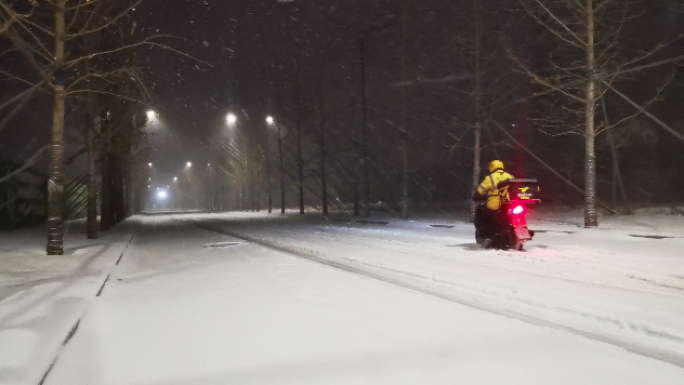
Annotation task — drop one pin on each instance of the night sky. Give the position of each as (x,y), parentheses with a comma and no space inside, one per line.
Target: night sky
(244,56)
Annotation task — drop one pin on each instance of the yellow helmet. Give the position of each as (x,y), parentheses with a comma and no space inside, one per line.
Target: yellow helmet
(496,165)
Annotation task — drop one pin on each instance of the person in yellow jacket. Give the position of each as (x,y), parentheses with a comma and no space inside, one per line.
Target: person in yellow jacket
(489,187)
(487,217)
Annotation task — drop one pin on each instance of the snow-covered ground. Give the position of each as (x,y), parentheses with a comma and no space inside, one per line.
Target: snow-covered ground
(397,303)
(43,297)
(609,283)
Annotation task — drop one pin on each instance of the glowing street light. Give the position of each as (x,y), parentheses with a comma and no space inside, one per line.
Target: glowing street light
(188,165)
(231,119)
(151,116)
(162,194)
(269,120)
(175,179)
(149,165)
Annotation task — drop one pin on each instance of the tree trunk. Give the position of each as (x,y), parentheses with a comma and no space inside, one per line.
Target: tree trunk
(106,214)
(478,109)
(300,160)
(357,208)
(55,219)
(92,185)
(300,169)
(617,175)
(404,133)
(120,214)
(115,180)
(282,172)
(212,192)
(106,198)
(364,127)
(241,204)
(324,178)
(247,175)
(590,215)
(256,185)
(269,177)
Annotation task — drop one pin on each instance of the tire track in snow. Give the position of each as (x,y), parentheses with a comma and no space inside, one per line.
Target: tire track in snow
(655,352)
(74,328)
(397,249)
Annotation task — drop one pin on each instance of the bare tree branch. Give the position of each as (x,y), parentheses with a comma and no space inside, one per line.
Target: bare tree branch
(642,110)
(26,165)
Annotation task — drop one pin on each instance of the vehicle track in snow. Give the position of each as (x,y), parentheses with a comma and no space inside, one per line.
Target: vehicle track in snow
(403,244)
(672,353)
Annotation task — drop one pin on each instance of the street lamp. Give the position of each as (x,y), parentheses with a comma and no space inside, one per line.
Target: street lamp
(231,119)
(212,199)
(149,165)
(151,116)
(175,179)
(188,165)
(272,121)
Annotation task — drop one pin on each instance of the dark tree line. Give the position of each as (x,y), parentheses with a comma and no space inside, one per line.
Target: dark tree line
(376,94)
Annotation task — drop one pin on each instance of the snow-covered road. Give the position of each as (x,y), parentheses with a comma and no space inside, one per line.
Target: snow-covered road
(190,304)
(603,283)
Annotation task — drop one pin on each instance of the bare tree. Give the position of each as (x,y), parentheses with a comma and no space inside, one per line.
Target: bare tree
(591,52)
(41,31)
(485,79)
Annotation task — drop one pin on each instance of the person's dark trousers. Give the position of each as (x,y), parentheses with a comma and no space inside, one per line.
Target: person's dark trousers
(487,222)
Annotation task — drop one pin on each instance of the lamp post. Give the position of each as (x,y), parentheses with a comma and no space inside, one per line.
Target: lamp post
(269,121)
(211,187)
(246,196)
(272,121)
